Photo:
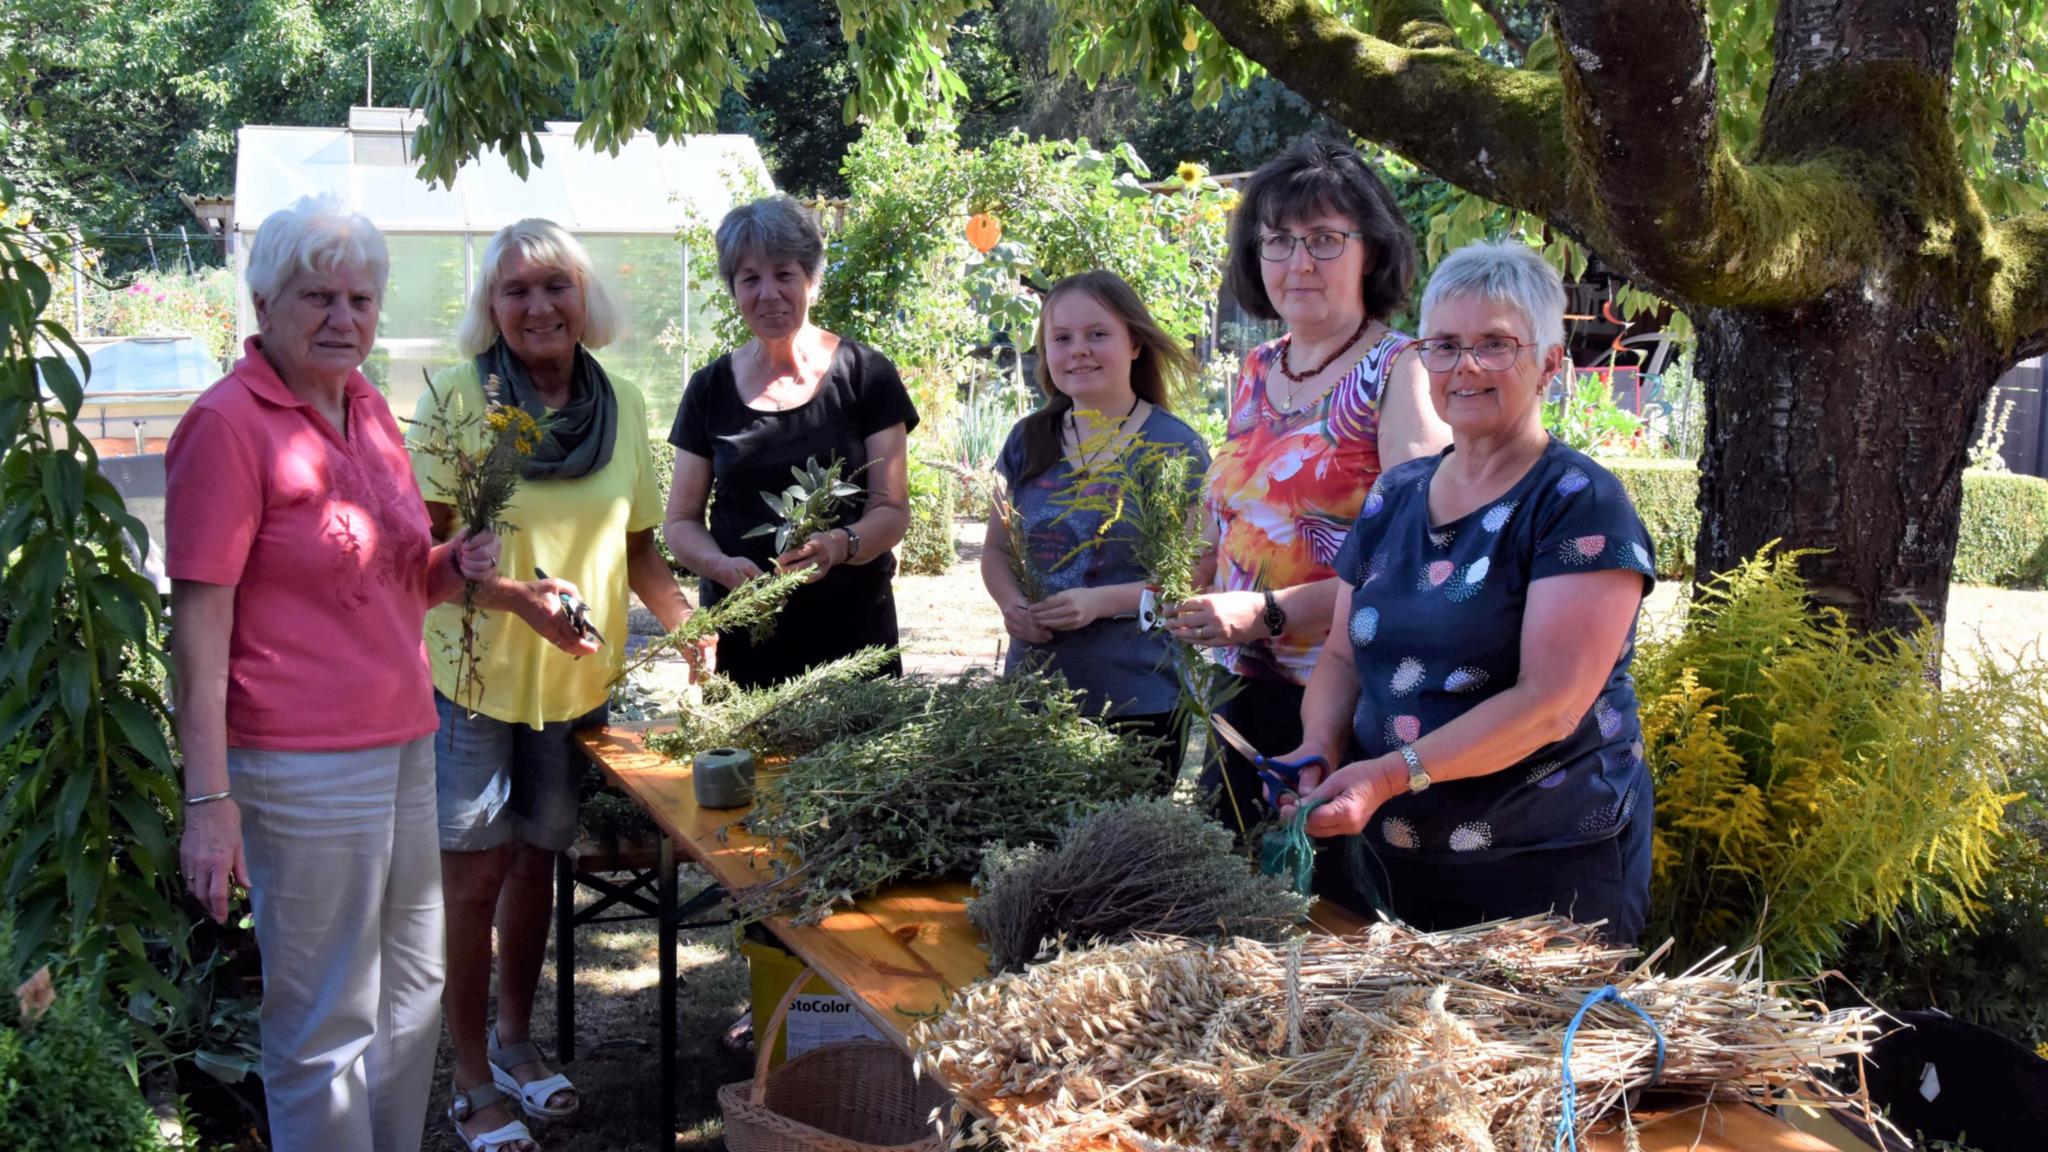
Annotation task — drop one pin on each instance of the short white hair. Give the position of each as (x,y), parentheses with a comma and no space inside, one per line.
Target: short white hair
(1504,272)
(549,244)
(315,234)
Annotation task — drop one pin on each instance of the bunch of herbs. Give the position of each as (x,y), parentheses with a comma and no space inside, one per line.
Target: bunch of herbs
(1154,491)
(483,458)
(805,507)
(955,767)
(839,698)
(752,607)
(1140,866)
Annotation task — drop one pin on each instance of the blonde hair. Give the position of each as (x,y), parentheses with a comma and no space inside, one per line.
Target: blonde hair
(547,243)
(315,234)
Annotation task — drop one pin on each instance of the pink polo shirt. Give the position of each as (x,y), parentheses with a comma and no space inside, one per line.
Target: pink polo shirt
(325,541)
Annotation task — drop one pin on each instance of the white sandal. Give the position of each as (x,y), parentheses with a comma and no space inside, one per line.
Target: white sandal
(468,1104)
(533,1098)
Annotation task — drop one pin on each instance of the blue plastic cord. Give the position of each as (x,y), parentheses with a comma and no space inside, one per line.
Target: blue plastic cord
(1568,1115)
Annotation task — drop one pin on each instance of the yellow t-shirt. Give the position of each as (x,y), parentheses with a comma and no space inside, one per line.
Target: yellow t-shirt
(575,530)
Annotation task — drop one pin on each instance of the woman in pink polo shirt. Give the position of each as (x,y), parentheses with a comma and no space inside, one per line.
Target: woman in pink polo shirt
(302,569)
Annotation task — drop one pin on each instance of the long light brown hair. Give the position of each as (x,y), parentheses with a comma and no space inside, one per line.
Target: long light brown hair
(1163,364)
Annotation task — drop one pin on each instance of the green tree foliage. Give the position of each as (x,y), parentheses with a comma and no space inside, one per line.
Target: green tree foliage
(85,769)
(114,109)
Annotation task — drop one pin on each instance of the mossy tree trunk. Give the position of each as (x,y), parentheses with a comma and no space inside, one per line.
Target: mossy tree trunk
(1854,302)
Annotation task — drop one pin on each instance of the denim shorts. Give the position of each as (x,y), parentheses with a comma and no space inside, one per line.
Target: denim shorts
(497,780)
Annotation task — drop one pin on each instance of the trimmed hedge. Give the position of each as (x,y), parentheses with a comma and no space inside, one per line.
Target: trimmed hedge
(2004,537)
(1666,496)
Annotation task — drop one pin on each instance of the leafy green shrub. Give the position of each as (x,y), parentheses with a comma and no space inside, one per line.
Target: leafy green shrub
(85,841)
(1810,779)
(65,1081)
(1666,496)
(928,543)
(1589,419)
(2004,537)
(1989,972)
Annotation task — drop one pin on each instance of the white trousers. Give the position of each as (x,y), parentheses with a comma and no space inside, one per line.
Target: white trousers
(345,875)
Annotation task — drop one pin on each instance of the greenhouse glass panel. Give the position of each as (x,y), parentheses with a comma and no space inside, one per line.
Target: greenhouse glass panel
(644,275)
(422,305)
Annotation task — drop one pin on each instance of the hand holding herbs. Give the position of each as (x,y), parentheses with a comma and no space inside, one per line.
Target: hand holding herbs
(482,458)
(803,510)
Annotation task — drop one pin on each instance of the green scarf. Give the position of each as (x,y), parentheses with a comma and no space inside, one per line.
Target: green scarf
(580,433)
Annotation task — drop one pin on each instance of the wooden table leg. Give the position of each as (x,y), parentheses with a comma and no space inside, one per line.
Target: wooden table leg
(665,923)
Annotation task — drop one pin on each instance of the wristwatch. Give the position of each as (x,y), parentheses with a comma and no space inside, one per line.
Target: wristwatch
(1418,776)
(1276,620)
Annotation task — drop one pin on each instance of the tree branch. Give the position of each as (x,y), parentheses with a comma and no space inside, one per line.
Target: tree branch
(1490,130)
(2019,306)
(1507,31)
(1666,198)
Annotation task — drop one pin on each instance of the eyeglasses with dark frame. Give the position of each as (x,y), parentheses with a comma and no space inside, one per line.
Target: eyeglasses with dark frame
(1490,353)
(1322,244)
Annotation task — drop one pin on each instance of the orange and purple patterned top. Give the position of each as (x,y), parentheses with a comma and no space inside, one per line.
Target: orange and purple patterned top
(1285,488)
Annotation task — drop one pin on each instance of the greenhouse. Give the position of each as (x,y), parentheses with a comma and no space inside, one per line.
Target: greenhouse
(627,209)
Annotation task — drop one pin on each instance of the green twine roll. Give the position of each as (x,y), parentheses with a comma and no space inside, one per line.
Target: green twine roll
(1289,852)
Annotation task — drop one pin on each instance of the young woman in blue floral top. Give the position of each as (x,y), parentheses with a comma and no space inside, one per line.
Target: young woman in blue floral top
(1106,367)
(1474,685)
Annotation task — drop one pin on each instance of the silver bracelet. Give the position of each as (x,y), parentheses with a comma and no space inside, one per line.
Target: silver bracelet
(210,797)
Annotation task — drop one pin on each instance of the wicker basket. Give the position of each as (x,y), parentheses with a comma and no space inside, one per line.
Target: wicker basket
(860,1096)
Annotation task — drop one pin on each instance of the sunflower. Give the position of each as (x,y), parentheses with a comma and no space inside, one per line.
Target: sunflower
(1190,172)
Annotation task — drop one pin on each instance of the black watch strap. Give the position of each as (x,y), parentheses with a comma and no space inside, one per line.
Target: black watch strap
(1276,619)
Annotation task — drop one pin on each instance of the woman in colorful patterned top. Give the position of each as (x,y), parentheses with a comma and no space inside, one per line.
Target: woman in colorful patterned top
(1106,367)
(1319,244)
(1475,683)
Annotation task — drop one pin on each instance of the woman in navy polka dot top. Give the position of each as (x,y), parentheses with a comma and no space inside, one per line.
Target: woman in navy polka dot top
(1474,687)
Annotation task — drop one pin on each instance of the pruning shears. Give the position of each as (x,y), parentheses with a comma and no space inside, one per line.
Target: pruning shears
(576,610)
(1278,776)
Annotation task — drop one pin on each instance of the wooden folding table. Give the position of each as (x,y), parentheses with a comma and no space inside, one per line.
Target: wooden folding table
(902,953)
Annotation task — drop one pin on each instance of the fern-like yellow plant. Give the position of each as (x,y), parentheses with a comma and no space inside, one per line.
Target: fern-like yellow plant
(1809,778)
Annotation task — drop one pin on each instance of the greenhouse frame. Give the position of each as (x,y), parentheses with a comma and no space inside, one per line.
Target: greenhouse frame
(627,209)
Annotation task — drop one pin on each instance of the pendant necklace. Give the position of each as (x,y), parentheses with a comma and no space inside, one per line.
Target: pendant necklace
(1090,459)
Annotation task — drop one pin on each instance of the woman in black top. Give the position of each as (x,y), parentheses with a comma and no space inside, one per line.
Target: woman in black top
(793,393)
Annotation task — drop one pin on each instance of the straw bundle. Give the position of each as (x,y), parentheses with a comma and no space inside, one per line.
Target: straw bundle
(1393,1039)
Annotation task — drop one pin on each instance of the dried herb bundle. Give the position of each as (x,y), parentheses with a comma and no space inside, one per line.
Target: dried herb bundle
(790,718)
(953,767)
(804,507)
(1390,1039)
(752,606)
(1141,866)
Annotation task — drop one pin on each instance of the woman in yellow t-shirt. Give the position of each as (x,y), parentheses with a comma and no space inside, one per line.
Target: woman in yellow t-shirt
(506,765)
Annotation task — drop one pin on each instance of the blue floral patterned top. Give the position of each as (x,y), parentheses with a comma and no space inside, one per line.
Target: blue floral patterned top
(1115,666)
(1436,627)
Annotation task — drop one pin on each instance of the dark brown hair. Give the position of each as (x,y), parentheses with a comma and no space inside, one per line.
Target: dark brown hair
(1313,176)
(1163,363)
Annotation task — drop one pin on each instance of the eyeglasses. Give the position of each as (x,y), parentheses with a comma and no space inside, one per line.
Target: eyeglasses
(1492,354)
(1278,246)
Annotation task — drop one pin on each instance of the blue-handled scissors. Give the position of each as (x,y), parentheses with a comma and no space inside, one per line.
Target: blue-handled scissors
(1278,776)
(577,611)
